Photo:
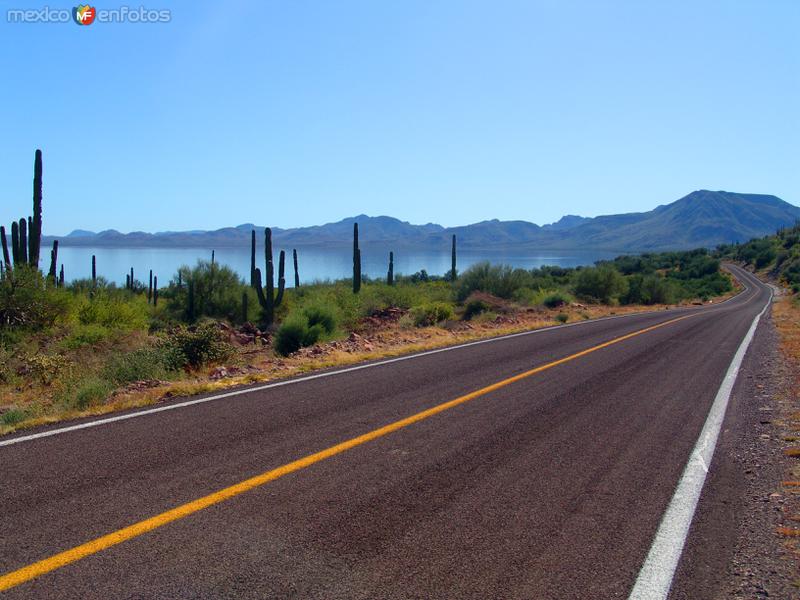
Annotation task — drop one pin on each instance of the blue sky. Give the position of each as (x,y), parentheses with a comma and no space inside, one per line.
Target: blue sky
(295,112)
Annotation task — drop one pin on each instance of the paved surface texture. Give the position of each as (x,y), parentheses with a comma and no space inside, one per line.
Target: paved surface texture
(550,487)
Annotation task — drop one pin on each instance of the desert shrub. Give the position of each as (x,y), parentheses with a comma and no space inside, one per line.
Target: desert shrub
(603,284)
(649,289)
(13,416)
(46,367)
(791,272)
(556,299)
(86,286)
(322,316)
(193,347)
(25,300)
(525,295)
(473,308)
(562,317)
(499,280)
(291,336)
(117,310)
(85,335)
(430,314)
(141,364)
(216,293)
(91,392)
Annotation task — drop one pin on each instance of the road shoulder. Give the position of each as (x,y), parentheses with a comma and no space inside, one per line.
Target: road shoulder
(733,549)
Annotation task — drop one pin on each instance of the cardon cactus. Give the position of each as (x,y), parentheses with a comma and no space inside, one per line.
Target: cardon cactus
(266,297)
(51,274)
(453,259)
(296,274)
(253,258)
(390,274)
(356,261)
(23,240)
(35,232)
(4,242)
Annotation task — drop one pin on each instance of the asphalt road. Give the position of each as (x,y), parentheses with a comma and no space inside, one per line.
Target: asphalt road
(552,486)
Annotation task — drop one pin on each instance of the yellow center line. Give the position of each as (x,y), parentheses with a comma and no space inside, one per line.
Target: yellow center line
(15,578)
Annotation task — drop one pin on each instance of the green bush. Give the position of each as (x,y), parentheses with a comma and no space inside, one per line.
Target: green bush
(473,308)
(603,284)
(217,293)
(556,299)
(562,317)
(117,310)
(85,335)
(291,336)
(430,314)
(26,300)
(194,347)
(13,416)
(143,364)
(91,392)
(499,280)
(322,316)
(649,289)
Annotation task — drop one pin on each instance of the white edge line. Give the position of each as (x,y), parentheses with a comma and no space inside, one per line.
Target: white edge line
(657,573)
(150,411)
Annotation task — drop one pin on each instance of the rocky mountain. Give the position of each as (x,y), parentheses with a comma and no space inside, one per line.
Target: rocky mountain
(701,219)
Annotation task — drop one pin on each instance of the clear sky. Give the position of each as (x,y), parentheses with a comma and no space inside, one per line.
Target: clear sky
(293,112)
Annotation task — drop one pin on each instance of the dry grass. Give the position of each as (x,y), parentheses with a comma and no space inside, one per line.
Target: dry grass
(786,317)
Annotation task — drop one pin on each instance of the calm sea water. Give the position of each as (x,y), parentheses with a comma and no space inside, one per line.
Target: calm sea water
(314,263)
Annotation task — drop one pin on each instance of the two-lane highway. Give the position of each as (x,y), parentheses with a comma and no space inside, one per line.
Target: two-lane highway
(530,466)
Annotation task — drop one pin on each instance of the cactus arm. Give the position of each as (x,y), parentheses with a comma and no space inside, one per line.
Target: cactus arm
(35,232)
(281,278)
(4,242)
(23,240)
(296,274)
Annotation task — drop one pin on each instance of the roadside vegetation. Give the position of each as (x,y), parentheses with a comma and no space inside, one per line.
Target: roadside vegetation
(86,346)
(90,346)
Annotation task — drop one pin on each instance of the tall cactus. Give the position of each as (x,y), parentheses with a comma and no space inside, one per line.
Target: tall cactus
(23,240)
(390,274)
(4,242)
(266,297)
(61,276)
(453,260)
(36,231)
(296,274)
(51,274)
(132,279)
(155,290)
(150,287)
(15,243)
(30,241)
(252,258)
(356,261)
(94,271)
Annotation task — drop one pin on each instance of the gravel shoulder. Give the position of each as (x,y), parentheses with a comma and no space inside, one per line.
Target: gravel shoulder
(738,545)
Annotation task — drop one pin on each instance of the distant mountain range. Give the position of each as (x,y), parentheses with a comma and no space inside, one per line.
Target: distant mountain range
(701,219)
